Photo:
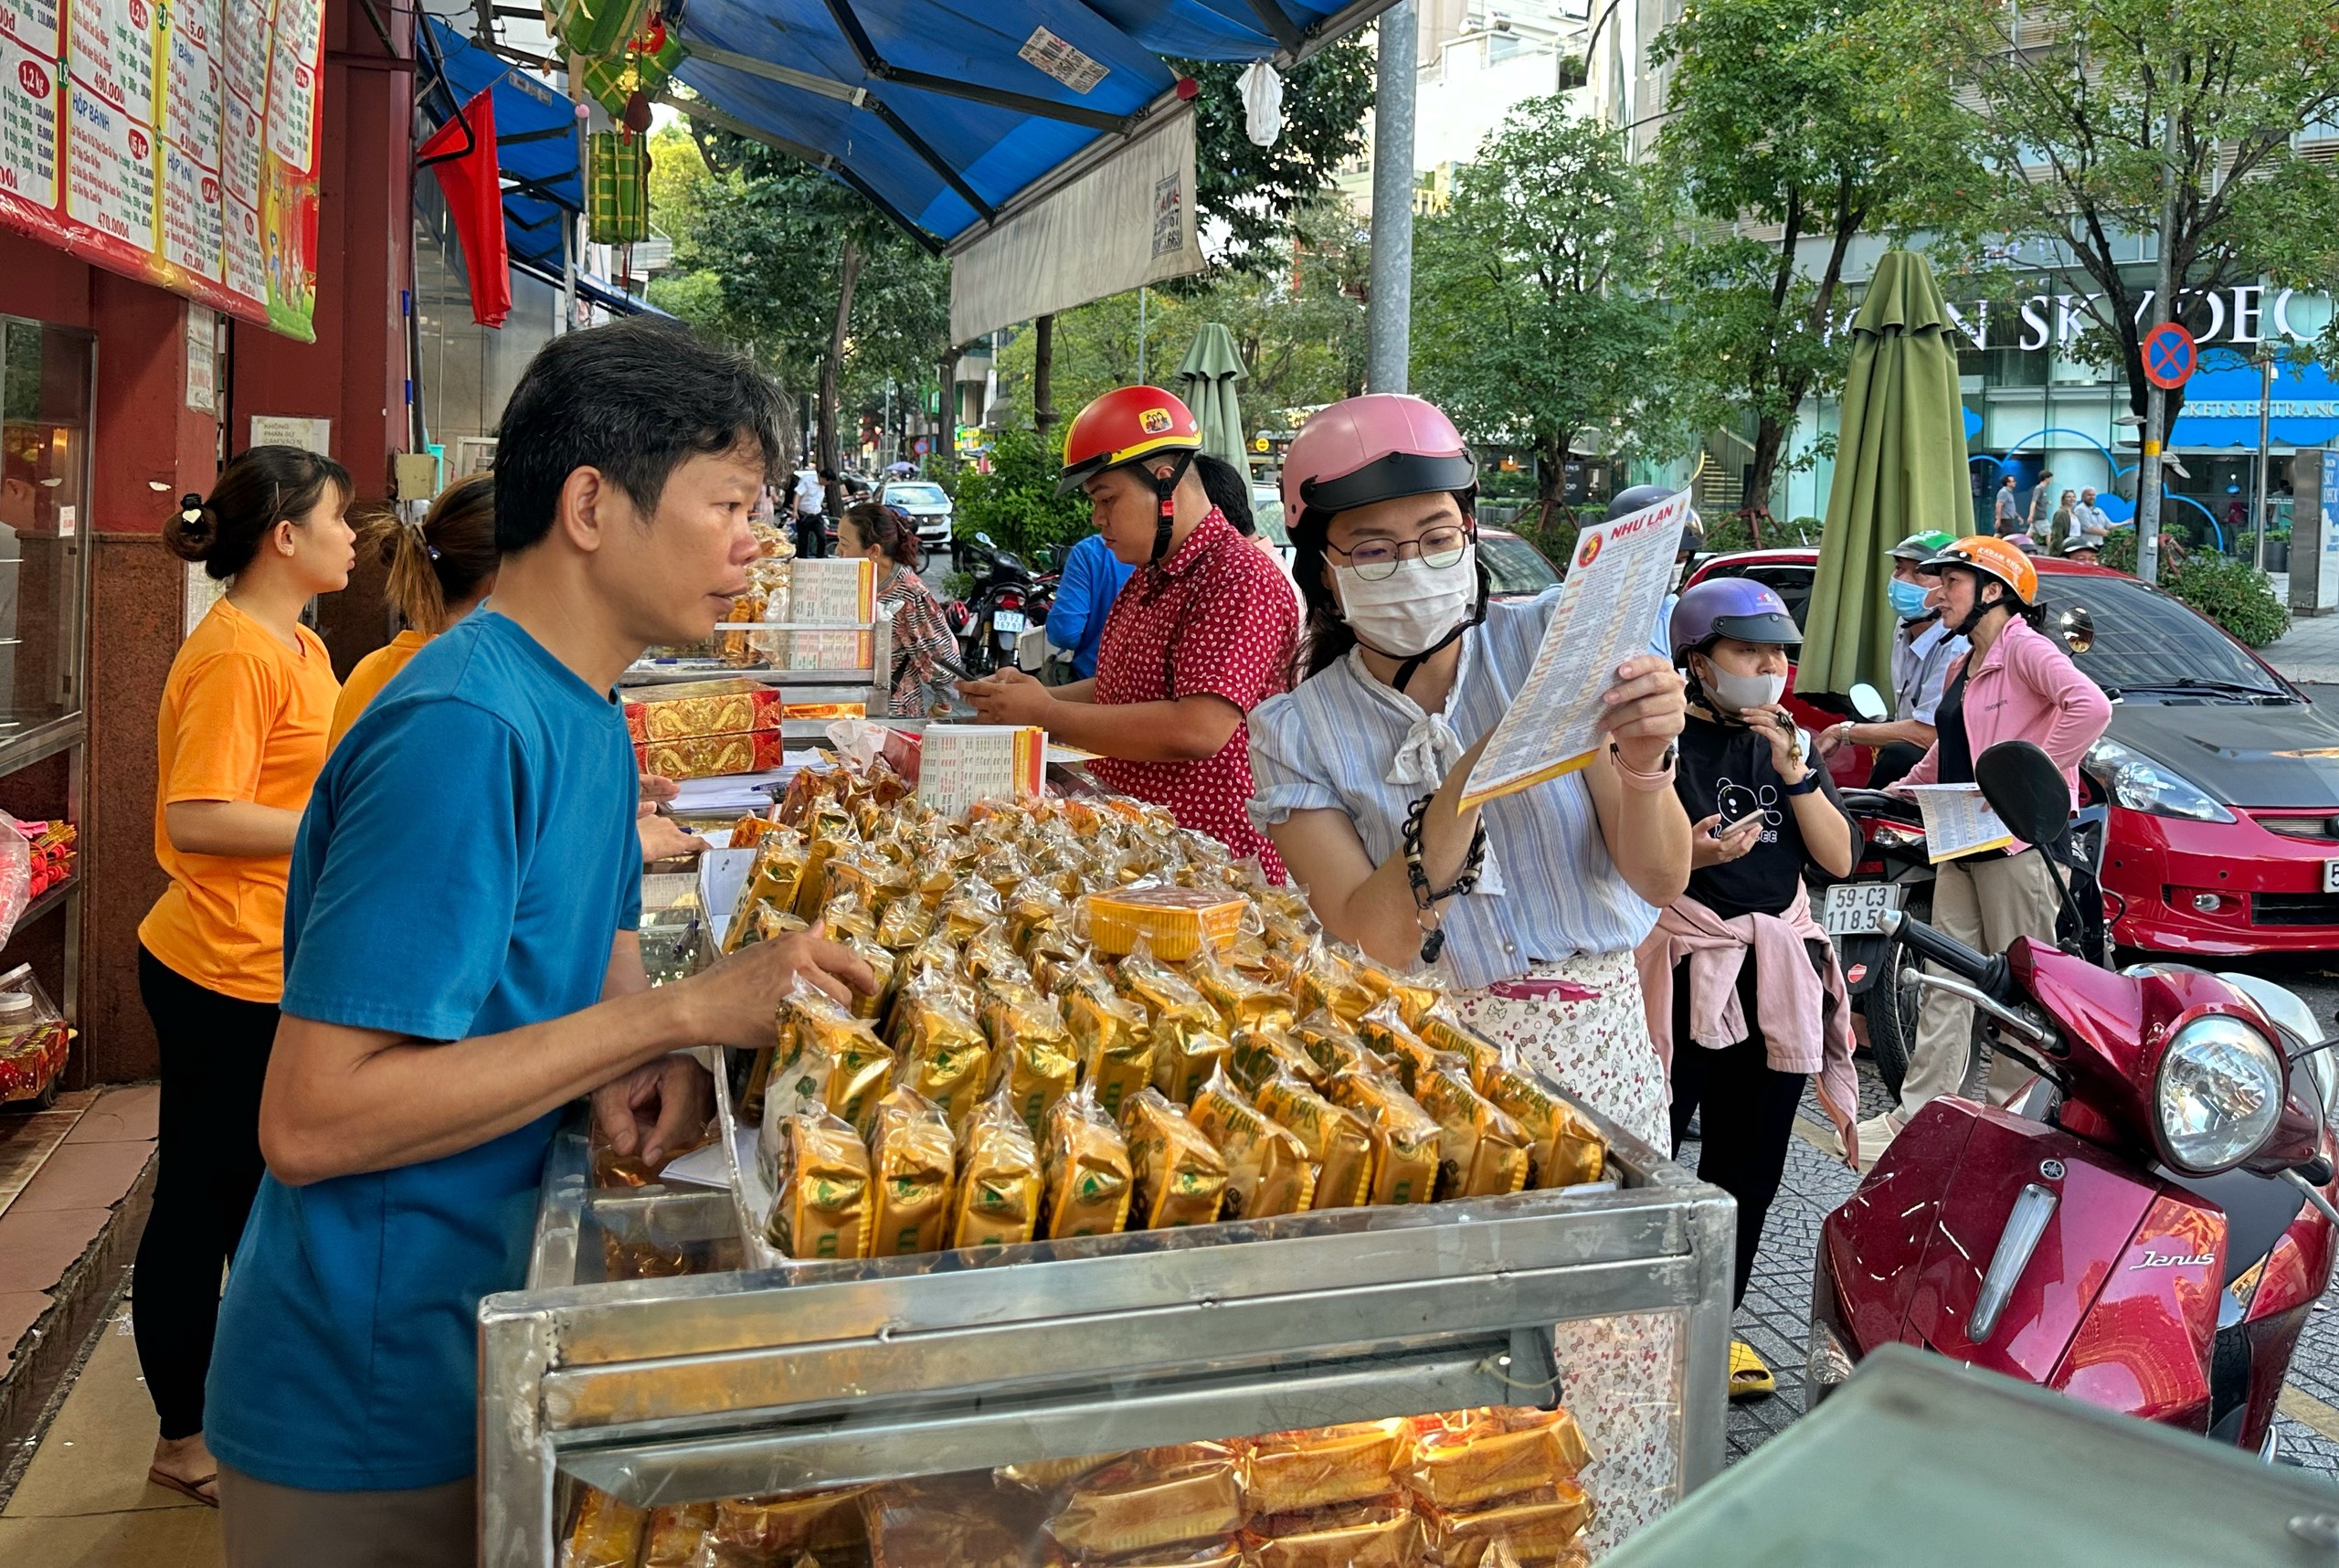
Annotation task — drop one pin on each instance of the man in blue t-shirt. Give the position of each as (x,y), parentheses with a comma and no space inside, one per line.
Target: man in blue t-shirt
(460,961)
(1093,579)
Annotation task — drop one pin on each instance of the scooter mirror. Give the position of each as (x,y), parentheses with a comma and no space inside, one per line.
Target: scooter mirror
(1868,704)
(2026,791)
(2077,629)
(983,538)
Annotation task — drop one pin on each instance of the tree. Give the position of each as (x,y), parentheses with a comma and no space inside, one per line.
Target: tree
(1258,193)
(1811,117)
(2079,107)
(1532,326)
(799,269)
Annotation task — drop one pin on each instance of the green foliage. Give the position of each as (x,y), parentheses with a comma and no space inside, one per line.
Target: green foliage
(1816,117)
(2226,589)
(1258,193)
(1301,332)
(1016,503)
(1531,325)
(2072,137)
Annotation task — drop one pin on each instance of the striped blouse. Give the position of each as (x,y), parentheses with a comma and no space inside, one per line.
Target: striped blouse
(921,638)
(1345,741)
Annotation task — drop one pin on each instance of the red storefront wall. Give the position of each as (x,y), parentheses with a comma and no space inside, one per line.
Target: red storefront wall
(149,446)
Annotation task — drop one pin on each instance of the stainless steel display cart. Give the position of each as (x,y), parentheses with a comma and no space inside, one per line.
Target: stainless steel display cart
(1613,1298)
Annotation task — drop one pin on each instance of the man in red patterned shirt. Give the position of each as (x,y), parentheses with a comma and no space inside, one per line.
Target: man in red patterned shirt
(1199,636)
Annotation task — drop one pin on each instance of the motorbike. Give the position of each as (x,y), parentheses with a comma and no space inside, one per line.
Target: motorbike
(2147,1225)
(997,609)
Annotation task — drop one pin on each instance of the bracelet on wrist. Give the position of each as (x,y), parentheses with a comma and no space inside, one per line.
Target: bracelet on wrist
(1807,784)
(1649,781)
(1425,902)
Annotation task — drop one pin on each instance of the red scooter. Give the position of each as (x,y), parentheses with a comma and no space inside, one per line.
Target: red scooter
(2146,1227)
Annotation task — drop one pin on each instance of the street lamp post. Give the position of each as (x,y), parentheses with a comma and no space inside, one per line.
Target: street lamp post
(2265,357)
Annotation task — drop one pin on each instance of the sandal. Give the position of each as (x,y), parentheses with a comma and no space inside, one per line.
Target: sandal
(187,1488)
(1749,1377)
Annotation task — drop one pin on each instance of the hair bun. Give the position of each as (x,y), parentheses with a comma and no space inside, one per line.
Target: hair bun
(192,530)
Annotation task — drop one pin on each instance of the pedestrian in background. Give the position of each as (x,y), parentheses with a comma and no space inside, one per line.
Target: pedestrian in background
(811,502)
(1092,580)
(2007,518)
(2062,526)
(2034,521)
(241,735)
(924,649)
(2088,518)
(440,570)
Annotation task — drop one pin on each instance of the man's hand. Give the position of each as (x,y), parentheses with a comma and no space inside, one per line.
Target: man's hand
(1705,850)
(657,789)
(662,838)
(1833,738)
(1010,696)
(735,998)
(656,1110)
(1646,710)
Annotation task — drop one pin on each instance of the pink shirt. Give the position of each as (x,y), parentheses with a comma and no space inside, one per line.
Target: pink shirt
(2027,688)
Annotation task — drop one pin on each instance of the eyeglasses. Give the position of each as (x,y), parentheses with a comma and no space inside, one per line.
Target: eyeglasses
(1376,559)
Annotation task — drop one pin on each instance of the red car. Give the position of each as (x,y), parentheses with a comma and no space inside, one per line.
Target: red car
(2221,777)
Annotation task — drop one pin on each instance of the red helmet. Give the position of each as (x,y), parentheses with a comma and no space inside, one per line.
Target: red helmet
(1374,447)
(1126,425)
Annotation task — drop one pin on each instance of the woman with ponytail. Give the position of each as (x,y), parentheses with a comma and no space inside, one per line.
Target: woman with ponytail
(240,739)
(440,570)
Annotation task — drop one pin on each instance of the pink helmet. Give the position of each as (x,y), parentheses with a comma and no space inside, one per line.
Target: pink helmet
(1373,448)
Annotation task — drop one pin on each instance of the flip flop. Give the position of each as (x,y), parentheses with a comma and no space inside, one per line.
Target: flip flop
(187,1488)
(1750,1378)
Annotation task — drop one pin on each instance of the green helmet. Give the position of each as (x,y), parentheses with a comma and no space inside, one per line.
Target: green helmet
(1920,546)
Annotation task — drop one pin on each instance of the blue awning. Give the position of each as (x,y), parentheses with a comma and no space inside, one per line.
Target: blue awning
(942,111)
(2223,400)
(535,138)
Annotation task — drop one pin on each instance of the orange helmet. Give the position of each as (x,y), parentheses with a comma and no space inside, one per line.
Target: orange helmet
(1993,557)
(1125,426)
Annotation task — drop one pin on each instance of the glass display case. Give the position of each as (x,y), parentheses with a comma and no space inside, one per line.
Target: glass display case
(47,379)
(644,1380)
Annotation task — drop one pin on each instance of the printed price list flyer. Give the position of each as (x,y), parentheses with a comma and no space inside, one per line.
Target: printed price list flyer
(175,144)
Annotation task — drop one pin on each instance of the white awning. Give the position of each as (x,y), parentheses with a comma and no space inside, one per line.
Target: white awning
(1123,220)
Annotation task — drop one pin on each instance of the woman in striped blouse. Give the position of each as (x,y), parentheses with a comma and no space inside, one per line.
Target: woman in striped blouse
(923,646)
(1530,906)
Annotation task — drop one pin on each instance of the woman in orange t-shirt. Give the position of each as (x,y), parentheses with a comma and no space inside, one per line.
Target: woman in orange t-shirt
(440,570)
(239,740)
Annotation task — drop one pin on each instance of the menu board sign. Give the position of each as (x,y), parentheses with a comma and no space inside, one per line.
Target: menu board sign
(175,141)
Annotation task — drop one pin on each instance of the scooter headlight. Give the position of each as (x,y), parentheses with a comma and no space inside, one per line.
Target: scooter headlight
(2218,1096)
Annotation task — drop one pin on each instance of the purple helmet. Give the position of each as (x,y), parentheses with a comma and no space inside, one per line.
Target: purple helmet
(1730,606)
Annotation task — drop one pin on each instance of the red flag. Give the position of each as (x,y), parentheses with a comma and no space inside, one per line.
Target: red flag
(461,152)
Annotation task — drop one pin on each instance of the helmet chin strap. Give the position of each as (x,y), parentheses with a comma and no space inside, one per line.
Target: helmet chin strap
(1408,664)
(1165,490)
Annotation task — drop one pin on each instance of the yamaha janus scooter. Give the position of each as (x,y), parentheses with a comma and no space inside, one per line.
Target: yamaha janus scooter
(2147,1226)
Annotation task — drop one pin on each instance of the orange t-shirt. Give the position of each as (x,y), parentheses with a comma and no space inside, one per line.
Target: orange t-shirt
(244,718)
(366,680)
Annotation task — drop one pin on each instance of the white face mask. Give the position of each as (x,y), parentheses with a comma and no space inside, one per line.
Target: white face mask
(1412,608)
(1738,693)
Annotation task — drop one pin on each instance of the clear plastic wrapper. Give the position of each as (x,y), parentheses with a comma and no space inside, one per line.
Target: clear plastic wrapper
(677,1535)
(1384,1032)
(1482,1150)
(1564,1147)
(1180,1175)
(1267,1169)
(1176,922)
(1326,1466)
(944,1053)
(603,1532)
(1033,1058)
(913,1160)
(1337,1139)
(1475,1462)
(1114,1035)
(828,1057)
(1413,994)
(1243,1001)
(1405,1136)
(786,1530)
(1185,1055)
(1141,1506)
(1260,1053)
(819,1181)
(1086,1163)
(1441,1031)
(1533,1529)
(1332,1042)
(1365,1535)
(1325,979)
(997,1200)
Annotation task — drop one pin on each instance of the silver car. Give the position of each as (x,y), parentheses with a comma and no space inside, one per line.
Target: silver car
(927,504)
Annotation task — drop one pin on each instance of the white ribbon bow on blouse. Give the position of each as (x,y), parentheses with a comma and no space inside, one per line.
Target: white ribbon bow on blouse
(1423,757)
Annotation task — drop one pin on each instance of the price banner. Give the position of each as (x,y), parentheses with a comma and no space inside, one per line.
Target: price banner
(173,140)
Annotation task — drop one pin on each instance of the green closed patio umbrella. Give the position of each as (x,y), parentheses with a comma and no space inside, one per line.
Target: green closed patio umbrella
(1900,469)
(1211,368)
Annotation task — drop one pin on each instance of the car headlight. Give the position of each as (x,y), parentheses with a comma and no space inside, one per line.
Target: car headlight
(2140,784)
(2218,1094)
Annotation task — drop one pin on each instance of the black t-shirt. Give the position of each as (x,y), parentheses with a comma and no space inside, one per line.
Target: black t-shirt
(1727,769)
(1955,763)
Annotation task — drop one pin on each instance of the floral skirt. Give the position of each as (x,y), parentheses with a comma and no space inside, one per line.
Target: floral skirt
(1580,1020)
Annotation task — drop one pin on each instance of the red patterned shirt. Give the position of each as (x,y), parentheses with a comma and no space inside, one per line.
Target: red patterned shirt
(1215,619)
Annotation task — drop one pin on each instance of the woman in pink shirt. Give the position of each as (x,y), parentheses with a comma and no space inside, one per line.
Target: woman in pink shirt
(2016,685)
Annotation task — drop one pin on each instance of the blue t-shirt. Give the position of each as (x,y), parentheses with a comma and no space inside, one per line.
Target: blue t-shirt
(466,862)
(1093,579)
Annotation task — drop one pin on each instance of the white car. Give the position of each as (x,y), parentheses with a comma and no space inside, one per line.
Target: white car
(927,504)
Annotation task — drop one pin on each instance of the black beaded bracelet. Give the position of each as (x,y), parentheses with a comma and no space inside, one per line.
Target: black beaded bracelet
(1425,902)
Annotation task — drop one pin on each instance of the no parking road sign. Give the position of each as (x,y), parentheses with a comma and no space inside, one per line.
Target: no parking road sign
(2170,356)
